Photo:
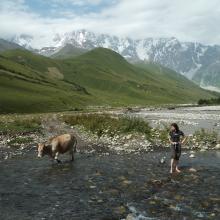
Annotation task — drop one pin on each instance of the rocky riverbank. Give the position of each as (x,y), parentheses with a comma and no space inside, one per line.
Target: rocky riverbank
(107,139)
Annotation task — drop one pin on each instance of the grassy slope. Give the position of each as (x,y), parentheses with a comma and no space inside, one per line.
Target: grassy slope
(106,71)
(177,85)
(25,89)
(98,77)
(69,51)
(6,45)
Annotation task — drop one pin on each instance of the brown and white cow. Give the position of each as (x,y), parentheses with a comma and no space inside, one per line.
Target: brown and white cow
(58,145)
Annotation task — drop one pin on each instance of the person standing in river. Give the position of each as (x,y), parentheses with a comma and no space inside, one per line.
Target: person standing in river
(176,138)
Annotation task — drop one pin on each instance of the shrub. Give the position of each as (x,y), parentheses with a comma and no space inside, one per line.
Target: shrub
(204,136)
(105,123)
(20,125)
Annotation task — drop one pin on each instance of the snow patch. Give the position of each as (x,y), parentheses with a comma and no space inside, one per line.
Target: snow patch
(141,51)
(211,88)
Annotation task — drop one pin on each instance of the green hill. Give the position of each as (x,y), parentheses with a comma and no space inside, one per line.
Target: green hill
(6,45)
(33,83)
(69,51)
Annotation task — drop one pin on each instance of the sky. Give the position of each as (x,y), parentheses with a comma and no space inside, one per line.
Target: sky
(187,20)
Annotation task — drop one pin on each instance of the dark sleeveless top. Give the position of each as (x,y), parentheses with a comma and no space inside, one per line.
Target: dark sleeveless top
(175,136)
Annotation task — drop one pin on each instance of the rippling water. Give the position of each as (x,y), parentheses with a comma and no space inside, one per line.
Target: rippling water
(109,187)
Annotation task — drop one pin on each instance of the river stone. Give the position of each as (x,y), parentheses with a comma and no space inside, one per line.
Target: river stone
(129,136)
(217,147)
(120,210)
(192,169)
(130,217)
(127,182)
(112,192)
(192,155)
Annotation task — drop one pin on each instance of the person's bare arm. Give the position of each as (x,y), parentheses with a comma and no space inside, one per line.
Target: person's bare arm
(183,141)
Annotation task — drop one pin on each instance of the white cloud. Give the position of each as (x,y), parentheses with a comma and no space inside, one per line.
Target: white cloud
(187,20)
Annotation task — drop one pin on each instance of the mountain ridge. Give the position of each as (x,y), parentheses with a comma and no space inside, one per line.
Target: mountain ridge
(188,58)
(35,83)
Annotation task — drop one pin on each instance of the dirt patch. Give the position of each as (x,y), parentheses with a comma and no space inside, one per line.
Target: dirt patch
(53,72)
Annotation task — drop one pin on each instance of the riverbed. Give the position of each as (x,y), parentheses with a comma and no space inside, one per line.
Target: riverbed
(110,187)
(190,119)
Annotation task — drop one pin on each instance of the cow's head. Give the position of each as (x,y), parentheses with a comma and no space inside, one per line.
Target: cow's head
(41,149)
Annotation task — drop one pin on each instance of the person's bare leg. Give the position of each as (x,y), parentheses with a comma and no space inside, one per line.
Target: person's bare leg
(177,169)
(174,165)
(171,165)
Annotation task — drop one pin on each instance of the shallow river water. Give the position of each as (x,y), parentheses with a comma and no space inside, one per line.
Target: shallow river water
(109,187)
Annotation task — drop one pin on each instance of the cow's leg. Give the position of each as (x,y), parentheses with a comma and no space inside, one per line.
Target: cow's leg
(72,155)
(56,157)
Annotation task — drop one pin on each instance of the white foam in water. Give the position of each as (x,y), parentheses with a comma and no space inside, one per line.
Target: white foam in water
(136,215)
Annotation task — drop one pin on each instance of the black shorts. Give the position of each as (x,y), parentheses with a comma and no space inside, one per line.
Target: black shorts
(175,151)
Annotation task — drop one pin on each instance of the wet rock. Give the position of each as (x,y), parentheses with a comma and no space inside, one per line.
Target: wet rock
(217,147)
(212,214)
(129,136)
(163,160)
(130,217)
(127,182)
(120,210)
(178,197)
(192,169)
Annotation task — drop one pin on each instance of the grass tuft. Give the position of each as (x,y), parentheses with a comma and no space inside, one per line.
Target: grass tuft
(20,125)
(104,123)
(206,137)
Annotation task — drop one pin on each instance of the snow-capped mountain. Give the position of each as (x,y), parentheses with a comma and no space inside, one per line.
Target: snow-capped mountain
(23,40)
(188,58)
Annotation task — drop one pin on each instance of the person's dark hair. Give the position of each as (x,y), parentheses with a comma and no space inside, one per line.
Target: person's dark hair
(175,126)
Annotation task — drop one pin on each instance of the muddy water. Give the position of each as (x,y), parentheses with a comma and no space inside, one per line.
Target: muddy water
(109,187)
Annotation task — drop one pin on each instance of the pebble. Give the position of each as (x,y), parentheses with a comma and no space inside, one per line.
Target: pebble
(130,217)
(217,147)
(192,155)
(163,160)
(192,169)
(127,182)
(120,210)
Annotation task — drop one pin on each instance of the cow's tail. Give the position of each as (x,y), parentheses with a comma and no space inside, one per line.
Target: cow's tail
(74,143)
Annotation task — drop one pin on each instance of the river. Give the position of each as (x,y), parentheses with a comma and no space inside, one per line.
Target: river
(98,186)
(110,187)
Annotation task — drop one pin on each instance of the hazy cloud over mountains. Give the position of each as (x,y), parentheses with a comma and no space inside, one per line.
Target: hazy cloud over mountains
(188,20)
